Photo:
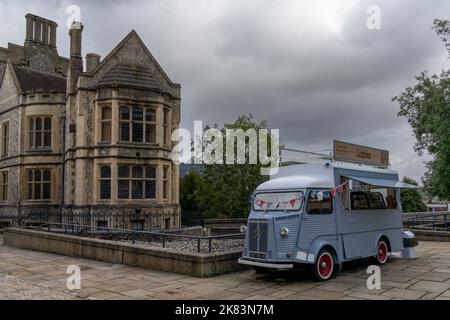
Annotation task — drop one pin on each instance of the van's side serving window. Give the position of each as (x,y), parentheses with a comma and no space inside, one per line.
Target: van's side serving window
(362,196)
(376,200)
(359,201)
(367,200)
(289,201)
(319,202)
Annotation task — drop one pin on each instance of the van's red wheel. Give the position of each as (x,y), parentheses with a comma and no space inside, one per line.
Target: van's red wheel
(382,252)
(324,267)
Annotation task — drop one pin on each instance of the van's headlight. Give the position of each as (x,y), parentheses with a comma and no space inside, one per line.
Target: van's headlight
(243,229)
(284,232)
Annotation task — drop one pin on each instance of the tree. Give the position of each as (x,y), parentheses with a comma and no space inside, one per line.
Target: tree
(411,198)
(226,188)
(426,106)
(189,187)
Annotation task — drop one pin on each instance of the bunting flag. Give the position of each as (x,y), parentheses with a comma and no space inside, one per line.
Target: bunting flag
(292,202)
(261,203)
(333,192)
(340,188)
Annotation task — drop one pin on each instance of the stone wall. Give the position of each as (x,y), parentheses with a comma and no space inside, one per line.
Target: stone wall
(199,265)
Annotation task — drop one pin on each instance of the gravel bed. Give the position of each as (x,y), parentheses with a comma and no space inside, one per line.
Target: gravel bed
(217,245)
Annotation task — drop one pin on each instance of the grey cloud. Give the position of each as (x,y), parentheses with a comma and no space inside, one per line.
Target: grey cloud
(274,59)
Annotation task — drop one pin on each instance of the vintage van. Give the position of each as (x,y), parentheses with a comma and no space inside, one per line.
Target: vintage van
(322,215)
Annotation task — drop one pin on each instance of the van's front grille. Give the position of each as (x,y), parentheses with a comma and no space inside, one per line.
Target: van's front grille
(258,232)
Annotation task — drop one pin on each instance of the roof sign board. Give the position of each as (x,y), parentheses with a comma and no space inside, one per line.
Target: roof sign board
(348,152)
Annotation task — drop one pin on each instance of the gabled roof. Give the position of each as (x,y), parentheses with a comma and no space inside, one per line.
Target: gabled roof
(30,80)
(133,35)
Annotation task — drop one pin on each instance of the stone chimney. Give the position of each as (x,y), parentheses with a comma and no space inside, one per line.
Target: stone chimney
(40,30)
(92,60)
(76,60)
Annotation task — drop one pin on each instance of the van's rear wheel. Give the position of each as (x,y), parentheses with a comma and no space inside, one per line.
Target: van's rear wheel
(382,252)
(323,268)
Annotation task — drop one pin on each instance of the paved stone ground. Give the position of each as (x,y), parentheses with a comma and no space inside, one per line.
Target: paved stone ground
(28,274)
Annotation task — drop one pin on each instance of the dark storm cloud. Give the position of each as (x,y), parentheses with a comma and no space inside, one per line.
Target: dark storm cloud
(312,70)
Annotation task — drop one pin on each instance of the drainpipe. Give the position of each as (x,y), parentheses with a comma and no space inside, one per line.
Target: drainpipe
(63,167)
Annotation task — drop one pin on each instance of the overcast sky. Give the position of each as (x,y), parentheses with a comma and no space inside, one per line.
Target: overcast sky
(310,68)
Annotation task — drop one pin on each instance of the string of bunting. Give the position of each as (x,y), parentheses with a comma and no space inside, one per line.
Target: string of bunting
(261,203)
(339,189)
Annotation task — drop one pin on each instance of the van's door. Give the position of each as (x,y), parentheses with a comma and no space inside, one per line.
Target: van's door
(318,219)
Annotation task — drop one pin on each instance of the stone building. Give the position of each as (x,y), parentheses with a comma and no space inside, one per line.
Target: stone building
(87,144)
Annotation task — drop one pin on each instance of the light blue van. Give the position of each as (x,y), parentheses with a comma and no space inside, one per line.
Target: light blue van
(321,215)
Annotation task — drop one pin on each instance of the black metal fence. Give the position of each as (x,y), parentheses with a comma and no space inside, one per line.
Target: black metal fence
(131,219)
(428,221)
(222,243)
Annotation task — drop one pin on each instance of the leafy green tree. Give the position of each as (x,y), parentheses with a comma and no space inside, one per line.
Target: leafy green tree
(426,106)
(189,187)
(411,198)
(226,188)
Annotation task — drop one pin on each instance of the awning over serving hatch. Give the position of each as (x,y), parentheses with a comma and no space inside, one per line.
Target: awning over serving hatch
(383,182)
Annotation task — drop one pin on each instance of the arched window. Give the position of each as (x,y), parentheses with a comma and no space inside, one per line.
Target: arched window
(105,182)
(106,124)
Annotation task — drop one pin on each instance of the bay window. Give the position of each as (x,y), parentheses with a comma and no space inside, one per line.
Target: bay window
(136,182)
(165,182)
(106,124)
(137,125)
(166,128)
(39,133)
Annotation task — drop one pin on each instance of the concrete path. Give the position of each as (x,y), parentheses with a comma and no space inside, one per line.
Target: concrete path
(28,274)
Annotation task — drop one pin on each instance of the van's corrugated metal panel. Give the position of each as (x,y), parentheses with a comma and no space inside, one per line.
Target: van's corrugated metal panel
(285,245)
(367,243)
(315,226)
(352,246)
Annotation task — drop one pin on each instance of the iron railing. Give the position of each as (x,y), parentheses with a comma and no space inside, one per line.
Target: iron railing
(428,221)
(131,219)
(169,240)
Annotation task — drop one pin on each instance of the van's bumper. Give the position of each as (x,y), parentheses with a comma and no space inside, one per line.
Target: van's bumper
(266,265)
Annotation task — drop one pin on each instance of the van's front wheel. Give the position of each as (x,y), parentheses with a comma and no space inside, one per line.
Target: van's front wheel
(323,268)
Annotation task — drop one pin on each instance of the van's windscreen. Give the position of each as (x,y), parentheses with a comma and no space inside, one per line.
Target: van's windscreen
(291,201)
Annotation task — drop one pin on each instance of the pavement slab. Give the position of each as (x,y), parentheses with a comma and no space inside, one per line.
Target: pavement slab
(32,275)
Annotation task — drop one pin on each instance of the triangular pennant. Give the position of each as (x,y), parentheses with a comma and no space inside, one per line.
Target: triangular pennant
(261,203)
(292,202)
(333,192)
